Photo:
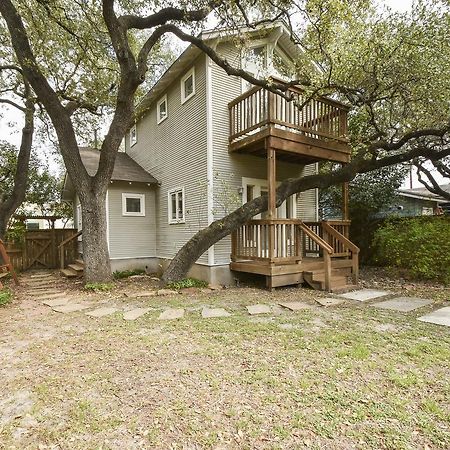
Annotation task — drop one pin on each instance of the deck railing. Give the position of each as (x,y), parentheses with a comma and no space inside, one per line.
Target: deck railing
(287,241)
(319,118)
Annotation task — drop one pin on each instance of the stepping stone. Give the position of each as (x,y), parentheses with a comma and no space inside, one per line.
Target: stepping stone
(208,313)
(329,301)
(439,317)
(41,296)
(365,294)
(101,312)
(403,304)
(171,314)
(167,292)
(135,313)
(145,294)
(71,307)
(295,306)
(41,275)
(57,301)
(258,309)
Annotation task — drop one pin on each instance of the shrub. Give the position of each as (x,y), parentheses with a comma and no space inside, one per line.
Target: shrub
(187,283)
(118,275)
(420,245)
(99,287)
(5,297)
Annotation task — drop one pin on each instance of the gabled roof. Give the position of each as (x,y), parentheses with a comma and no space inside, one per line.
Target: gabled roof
(125,169)
(423,193)
(184,61)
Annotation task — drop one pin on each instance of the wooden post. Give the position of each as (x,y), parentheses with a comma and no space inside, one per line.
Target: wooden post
(327,267)
(345,214)
(272,189)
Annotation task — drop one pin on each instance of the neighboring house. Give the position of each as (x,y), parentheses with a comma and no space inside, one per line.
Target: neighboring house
(418,202)
(213,143)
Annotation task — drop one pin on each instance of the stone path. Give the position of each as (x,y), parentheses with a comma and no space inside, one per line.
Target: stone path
(364,295)
(439,317)
(403,304)
(44,288)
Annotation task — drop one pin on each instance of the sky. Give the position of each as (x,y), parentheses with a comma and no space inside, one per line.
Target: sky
(11,121)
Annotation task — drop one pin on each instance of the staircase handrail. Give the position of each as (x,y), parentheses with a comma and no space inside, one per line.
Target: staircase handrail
(70,238)
(63,244)
(316,238)
(340,237)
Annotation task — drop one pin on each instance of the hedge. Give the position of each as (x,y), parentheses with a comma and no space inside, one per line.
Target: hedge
(421,245)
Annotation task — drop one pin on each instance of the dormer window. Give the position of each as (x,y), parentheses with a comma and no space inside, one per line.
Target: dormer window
(188,86)
(133,136)
(162,110)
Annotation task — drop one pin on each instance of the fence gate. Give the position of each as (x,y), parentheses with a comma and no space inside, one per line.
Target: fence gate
(41,248)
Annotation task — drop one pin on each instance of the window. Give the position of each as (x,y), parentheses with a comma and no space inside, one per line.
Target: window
(133,136)
(176,206)
(133,204)
(161,108)
(188,86)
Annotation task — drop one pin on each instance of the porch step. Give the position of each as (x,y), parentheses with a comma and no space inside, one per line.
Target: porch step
(76,267)
(339,280)
(74,270)
(69,273)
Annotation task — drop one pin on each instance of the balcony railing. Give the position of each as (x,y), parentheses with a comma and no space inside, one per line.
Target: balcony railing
(319,118)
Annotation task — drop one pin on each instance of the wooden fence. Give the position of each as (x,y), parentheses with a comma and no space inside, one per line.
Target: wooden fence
(39,249)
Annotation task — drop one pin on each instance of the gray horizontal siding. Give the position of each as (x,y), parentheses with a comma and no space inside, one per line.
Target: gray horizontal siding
(230,168)
(130,236)
(174,152)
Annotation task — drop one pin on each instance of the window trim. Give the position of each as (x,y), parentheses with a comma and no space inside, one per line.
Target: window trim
(190,72)
(169,206)
(162,100)
(133,142)
(141,197)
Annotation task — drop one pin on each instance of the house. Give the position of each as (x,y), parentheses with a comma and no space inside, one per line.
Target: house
(213,143)
(418,202)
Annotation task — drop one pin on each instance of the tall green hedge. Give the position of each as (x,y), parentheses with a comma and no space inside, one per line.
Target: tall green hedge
(420,244)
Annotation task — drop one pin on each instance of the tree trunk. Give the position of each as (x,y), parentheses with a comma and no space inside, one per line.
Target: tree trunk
(95,241)
(9,205)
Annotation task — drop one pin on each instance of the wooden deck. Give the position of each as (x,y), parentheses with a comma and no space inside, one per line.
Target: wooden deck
(289,251)
(301,130)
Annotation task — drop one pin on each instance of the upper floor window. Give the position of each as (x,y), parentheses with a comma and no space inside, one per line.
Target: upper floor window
(176,206)
(162,110)
(133,204)
(188,86)
(133,135)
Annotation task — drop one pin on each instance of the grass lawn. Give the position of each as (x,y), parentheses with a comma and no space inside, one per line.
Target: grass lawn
(343,377)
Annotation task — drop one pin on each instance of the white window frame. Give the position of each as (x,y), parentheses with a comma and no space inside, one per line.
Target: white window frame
(169,206)
(133,135)
(160,102)
(79,221)
(141,197)
(185,98)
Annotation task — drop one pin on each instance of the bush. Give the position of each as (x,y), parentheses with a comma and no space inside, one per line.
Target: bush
(187,283)
(420,245)
(5,297)
(99,287)
(118,275)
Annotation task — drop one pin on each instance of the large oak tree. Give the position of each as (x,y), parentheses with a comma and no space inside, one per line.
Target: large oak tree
(389,67)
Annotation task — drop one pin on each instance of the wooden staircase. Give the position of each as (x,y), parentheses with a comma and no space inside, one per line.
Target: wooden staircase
(341,279)
(74,270)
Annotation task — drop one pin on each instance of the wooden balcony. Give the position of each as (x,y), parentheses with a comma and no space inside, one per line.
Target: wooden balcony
(290,251)
(301,130)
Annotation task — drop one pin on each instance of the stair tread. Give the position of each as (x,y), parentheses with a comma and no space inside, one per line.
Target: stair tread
(80,262)
(69,273)
(76,267)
